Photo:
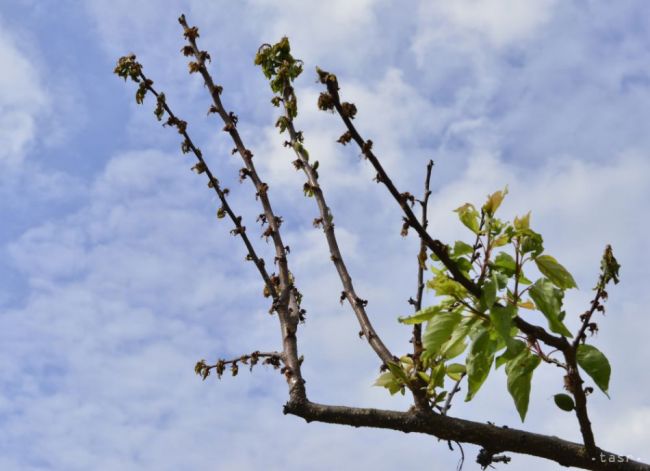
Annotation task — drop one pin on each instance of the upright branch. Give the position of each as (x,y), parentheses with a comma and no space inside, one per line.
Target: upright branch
(587,356)
(282,68)
(291,314)
(421,258)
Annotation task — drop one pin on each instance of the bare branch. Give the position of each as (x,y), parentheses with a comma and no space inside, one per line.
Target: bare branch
(451,395)
(417,303)
(289,316)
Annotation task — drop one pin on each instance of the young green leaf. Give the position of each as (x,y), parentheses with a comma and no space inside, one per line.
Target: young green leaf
(469,216)
(461,248)
(456,344)
(439,330)
(489,292)
(479,361)
(523,222)
(398,373)
(422,315)
(564,402)
(494,201)
(520,373)
(514,349)
(456,371)
(548,299)
(555,272)
(445,286)
(501,318)
(505,264)
(385,379)
(532,242)
(595,365)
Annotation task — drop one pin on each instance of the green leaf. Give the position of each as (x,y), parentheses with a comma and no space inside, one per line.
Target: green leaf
(438,376)
(461,248)
(456,344)
(397,372)
(479,361)
(385,379)
(548,300)
(439,330)
(564,402)
(595,365)
(469,216)
(514,349)
(422,315)
(522,223)
(494,201)
(505,263)
(501,318)
(456,371)
(532,242)
(555,272)
(454,349)
(445,286)
(489,292)
(520,373)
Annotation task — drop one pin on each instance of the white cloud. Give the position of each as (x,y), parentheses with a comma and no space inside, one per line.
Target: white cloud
(22,101)
(500,23)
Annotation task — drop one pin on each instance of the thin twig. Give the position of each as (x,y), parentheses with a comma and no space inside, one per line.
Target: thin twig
(420,398)
(451,395)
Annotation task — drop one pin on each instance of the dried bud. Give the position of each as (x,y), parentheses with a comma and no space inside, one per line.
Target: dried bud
(362,302)
(405,229)
(191,33)
(325,102)
(243,173)
(204,56)
(407,197)
(345,138)
(366,148)
(349,110)
(199,168)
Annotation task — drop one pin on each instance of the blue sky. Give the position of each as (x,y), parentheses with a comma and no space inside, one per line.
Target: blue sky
(117,277)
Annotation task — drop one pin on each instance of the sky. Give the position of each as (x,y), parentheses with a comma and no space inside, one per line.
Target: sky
(116,276)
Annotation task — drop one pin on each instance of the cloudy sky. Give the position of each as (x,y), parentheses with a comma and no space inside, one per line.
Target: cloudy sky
(116,276)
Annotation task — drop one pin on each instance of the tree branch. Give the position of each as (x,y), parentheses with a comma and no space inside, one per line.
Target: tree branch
(290,315)
(420,398)
(492,438)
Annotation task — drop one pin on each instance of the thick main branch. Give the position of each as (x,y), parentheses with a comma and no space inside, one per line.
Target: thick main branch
(492,438)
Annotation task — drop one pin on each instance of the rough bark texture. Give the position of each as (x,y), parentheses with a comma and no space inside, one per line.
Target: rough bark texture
(492,438)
